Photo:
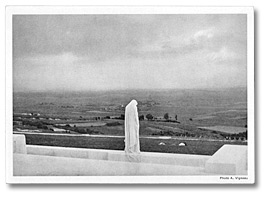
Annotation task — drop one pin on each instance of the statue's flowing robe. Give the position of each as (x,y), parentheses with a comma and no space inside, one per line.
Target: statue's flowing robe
(132,143)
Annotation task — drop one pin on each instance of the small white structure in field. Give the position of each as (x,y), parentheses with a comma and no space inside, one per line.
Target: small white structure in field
(182,144)
(161,143)
(52,128)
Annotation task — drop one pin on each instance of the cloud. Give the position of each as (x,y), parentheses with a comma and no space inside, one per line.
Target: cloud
(66,58)
(128,51)
(224,54)
(181,44)
(201,34)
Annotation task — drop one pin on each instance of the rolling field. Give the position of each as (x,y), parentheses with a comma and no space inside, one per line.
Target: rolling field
(99,112)
(199,147)
(207,107)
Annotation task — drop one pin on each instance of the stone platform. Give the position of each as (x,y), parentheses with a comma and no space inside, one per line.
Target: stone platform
(33,160)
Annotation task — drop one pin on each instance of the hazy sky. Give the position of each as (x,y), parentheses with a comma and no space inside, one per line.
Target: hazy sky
(92,52)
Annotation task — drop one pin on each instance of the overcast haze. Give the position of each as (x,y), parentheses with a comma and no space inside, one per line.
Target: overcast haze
(99,52)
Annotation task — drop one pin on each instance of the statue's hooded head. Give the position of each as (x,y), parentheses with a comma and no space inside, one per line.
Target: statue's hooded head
(133,103)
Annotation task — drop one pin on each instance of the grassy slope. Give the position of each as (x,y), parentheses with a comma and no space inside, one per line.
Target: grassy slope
(148,145)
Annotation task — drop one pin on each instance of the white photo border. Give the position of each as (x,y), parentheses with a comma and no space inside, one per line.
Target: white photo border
(40,10)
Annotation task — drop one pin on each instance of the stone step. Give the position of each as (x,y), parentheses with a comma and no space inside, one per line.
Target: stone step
(38,165)
(114,155)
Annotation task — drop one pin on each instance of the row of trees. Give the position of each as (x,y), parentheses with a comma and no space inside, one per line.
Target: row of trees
(149,116)
(81,130)
(166,116)
(38,124)
(236,136)
(172,133)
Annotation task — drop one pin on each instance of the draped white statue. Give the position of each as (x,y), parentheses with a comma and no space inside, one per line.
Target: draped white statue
(132,143)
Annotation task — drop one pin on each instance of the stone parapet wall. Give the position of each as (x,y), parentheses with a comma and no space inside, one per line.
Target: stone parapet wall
(114,155)
(35,160)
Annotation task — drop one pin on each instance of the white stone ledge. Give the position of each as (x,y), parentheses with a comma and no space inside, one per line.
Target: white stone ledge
(36,165)
(19,144)
(228,160)
(33,160)
(114,155)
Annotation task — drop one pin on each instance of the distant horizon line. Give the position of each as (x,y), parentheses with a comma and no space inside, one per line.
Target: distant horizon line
(126,89)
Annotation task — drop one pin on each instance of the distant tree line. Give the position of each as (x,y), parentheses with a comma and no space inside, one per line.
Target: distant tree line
(166,118)
(236,136)
(81,130)
(67,127)
(172,133)
(38,124)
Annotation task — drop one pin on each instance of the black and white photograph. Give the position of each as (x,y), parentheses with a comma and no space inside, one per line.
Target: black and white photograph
(130,94)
